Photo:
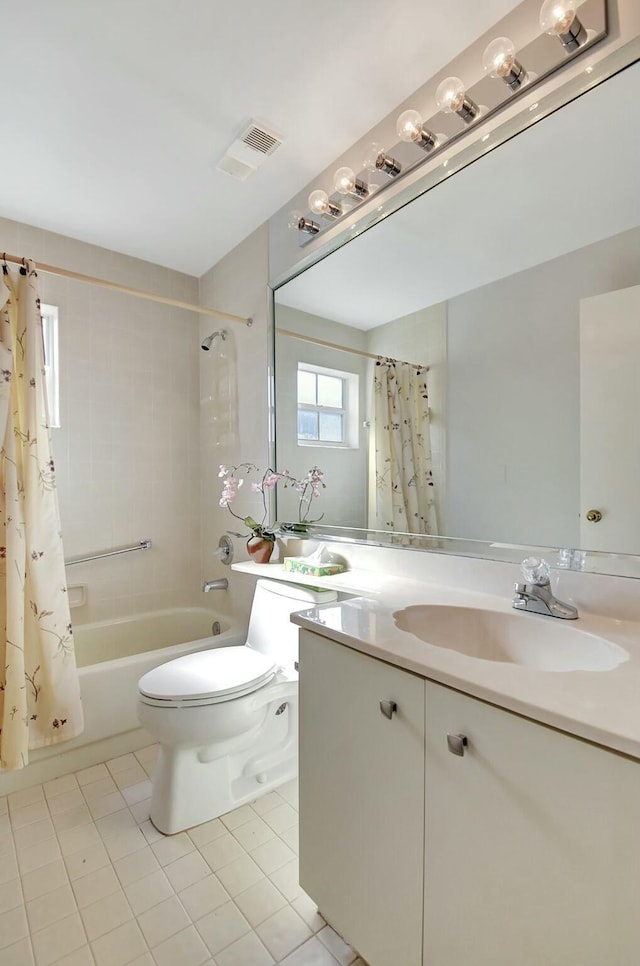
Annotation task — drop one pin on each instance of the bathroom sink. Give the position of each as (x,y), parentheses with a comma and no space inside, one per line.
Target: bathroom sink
(546,644)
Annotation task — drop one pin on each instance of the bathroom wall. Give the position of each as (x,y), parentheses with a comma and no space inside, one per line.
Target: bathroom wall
(127,451)
(345,469)
(513,410)
(239,284)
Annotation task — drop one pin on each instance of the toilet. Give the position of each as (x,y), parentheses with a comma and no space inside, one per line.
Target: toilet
(226,719)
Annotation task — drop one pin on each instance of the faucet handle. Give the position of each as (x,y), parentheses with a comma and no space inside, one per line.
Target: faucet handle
(536,570)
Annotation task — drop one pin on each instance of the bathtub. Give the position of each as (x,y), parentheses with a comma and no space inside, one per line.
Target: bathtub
(113,655)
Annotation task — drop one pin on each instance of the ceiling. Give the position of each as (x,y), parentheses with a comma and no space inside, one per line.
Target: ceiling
(553,189)
(116,113)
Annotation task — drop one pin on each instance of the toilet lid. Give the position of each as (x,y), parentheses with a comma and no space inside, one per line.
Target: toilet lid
(221,671)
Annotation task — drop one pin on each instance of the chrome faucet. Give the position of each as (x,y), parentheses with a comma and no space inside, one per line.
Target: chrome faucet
(220,584)
(536,596)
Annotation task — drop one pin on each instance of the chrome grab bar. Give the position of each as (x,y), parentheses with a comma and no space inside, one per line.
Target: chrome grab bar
(141,545)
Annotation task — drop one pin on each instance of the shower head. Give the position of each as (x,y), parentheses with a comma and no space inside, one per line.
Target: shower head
(207,343)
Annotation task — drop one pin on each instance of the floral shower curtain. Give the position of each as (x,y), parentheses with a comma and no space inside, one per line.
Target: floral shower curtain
(39,688)
(404,482)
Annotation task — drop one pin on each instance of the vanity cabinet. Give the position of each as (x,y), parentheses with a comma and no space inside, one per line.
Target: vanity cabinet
(362,798)
(532,843)
(523,849)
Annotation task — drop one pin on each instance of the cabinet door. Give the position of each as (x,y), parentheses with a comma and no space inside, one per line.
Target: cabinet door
(362,799)
(532,844)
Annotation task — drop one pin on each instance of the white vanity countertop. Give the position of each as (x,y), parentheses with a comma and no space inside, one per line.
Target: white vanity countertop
(600,706)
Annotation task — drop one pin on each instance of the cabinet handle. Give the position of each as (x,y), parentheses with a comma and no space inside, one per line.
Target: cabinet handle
(456,744)
(388,708)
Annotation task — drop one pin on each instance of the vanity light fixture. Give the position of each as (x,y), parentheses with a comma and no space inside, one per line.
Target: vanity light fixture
(452,98)
(499,60)
(320,204)
(297,222)
(559,17)
(410,127)
(377,160)
(346,183)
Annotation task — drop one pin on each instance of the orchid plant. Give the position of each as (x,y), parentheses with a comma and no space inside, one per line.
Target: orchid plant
(308,486)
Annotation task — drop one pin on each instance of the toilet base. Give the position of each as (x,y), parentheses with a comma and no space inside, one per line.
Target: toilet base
(195,785)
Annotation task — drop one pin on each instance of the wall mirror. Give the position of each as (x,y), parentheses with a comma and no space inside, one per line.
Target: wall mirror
(512,292)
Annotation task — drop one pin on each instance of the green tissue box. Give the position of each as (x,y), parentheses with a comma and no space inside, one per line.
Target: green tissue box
(298,565)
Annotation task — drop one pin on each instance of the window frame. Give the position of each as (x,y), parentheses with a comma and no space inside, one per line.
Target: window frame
(349,410)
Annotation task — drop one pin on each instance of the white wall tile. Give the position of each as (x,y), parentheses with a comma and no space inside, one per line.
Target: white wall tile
(118,353)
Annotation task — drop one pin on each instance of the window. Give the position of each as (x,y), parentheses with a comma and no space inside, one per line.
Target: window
(49,315)
(327,407)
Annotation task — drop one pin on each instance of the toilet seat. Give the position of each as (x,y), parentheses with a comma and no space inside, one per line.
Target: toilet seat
(206,677)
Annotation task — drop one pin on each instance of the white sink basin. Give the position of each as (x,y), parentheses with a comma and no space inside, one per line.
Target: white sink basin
(546,644)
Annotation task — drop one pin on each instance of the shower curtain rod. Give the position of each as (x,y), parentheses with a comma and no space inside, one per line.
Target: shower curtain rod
(127,290)
(344,348)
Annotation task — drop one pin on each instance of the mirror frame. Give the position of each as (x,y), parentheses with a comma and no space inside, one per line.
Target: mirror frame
(372,213)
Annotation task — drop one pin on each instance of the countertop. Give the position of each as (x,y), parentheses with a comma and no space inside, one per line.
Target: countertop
(600,706)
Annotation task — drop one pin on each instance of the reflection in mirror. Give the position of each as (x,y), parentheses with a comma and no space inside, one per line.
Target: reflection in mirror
(512,293)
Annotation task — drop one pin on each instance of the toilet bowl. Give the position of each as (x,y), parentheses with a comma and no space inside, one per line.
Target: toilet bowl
(226,719)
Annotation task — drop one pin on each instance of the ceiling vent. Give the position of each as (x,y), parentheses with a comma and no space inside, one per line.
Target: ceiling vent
(249,151)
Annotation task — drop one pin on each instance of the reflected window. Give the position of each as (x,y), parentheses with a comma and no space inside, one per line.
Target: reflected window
(327,406)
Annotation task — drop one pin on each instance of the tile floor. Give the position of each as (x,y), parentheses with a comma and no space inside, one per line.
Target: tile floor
(86,880)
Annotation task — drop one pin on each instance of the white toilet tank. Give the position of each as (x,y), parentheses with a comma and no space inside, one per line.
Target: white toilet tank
(270,630)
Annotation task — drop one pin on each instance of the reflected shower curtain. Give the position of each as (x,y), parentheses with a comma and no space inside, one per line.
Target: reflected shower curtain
(39,688)
(404,482)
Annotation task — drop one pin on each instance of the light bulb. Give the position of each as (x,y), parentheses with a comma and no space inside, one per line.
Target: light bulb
(499,57)
(410,128)
(344,181)
(450,95)
(556,16)
(559,17)
(499,60)
(374,155)
(452,98)
(295,217)
(319,202)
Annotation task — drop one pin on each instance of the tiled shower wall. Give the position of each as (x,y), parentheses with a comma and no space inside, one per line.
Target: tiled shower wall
(234,430)
(127,452)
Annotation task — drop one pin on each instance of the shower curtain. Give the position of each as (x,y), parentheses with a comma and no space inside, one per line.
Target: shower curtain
(404,482)
(39,688)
